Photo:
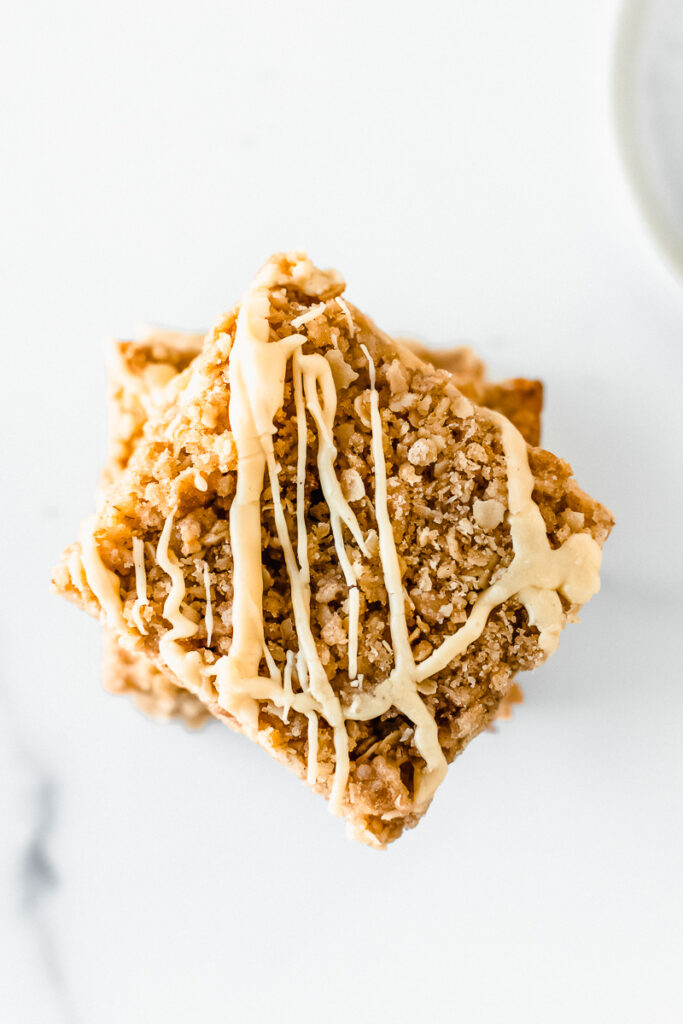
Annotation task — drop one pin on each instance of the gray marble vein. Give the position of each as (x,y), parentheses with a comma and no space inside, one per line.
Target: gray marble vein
(33,875)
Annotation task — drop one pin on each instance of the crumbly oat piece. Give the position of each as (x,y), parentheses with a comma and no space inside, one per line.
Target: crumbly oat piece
(512,697)
(152,689)
(137,373)
(519,399)
(139,370)
(435,496)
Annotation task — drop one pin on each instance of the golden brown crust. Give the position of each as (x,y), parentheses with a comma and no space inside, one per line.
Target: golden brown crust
(519,399)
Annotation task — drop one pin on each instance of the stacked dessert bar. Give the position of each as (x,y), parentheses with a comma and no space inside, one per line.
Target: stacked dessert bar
(336,542)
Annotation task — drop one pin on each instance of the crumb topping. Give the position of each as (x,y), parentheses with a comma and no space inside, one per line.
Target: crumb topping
(449,532)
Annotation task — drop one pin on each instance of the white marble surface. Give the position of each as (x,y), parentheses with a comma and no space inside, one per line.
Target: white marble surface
(457,160)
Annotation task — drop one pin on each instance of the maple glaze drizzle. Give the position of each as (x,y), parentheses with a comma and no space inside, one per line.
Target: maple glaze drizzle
(257,371)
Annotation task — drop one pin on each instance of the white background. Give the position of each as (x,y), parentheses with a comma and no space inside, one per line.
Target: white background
(457,161)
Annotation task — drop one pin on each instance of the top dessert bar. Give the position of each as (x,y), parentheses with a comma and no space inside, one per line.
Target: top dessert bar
(335,549)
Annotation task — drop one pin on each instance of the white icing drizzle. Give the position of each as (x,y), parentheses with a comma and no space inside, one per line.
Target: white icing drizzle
(182,627)
(301,671)
(189,666)
(318,375)
(140,583)
(302,535)
(257,370)
(75,566)
(208,613)
(311,314)
(401,684)
(318,683)
(270,663)
(287,685)
(347,313)
(312,767)
(252,412)
(354,614)
(103,582)
(537,572)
